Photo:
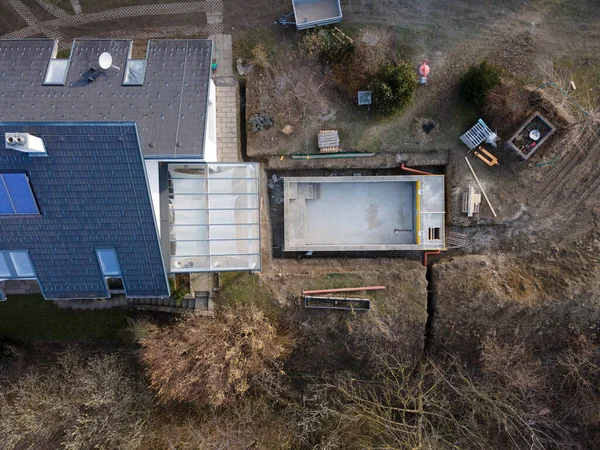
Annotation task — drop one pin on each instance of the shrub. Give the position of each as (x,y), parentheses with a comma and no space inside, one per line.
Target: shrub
(76,403)
(478,81)
(355,75)
(178,293)
(214,361)
(372,52)
(393,87)
(260,57)
(434,405)
(256,424)
(329,44)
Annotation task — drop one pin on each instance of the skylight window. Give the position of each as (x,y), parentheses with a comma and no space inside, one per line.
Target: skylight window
(108,262)
(56,74)
(22,263)
(16,196)
(16,264)
(135,72)
(4,268)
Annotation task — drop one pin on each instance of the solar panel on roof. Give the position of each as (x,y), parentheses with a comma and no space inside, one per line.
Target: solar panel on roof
(16,196)
(6,206)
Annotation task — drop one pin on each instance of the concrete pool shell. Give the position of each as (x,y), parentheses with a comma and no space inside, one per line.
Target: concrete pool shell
(364,213)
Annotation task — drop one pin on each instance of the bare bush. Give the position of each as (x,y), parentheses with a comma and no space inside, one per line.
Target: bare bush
(260,57)
(507,106)
(579,378)
(76,403)
(512,365)
(435,405)
(329,44)
(214,361)
(247,424)
(577,101)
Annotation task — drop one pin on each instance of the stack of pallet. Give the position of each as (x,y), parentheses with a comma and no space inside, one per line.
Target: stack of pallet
(471,202)
(329,141)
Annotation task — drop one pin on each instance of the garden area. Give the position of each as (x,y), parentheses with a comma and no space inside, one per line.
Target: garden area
(242,380)
(298,84)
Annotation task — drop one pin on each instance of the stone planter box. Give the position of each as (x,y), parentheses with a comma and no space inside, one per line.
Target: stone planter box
(523,144)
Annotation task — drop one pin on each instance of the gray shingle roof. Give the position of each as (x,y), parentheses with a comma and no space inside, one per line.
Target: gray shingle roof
(92,192)
(170,108)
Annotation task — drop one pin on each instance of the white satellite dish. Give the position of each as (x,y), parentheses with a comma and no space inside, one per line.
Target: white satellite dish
(105,61)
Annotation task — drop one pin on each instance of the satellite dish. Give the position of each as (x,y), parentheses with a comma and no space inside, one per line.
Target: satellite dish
(105,61)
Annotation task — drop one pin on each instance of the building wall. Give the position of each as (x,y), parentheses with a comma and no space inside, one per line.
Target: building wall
(210,136)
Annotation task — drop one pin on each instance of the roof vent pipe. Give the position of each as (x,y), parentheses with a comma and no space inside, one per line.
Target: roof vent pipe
(25,142)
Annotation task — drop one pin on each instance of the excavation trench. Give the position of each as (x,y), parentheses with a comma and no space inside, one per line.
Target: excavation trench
(431,309)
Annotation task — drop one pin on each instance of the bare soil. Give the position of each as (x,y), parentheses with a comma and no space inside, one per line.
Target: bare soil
(545,299)
(344,340)
(526,38)
(337,340)
(534,262)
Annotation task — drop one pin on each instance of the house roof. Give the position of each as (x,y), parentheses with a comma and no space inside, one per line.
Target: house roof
(169,107)
(91,192)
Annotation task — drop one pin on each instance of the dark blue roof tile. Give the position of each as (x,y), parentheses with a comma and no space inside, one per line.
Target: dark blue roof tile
(90,193)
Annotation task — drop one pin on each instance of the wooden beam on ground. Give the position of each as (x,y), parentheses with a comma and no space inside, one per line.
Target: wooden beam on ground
(327,291)
(481,187)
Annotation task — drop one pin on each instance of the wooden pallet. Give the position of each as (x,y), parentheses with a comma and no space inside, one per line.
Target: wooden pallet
(329,141)
(455,240)
(471,202)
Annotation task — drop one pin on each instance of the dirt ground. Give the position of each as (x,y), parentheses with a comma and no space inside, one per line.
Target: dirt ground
(526,38)
(531,271)
(545,299)
(337,340)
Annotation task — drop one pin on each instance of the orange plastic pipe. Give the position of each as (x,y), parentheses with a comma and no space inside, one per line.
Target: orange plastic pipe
(437,252)
(420,172)
(327,291)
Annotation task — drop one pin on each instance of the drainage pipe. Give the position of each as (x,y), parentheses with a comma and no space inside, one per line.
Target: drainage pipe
(408,169)
(332,155)
(327,291)
(437,252)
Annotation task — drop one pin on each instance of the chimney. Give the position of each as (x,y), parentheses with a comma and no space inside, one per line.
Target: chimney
(26,143)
